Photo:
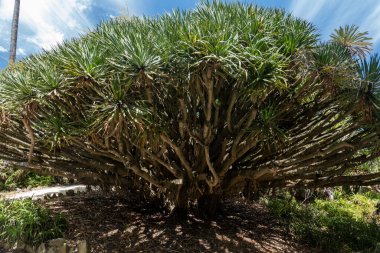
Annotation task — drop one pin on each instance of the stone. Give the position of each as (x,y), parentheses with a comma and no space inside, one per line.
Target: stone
(60,249)
(83,247)
(63,248)
(112,232)
(329,193)
(52,195)
(19,245)
(6,246)
(41,248)
(29,249)
(57,246)
(56,242)
(70,193)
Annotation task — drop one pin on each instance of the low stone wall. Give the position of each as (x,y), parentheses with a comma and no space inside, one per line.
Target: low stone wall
(54,246)
(47,192)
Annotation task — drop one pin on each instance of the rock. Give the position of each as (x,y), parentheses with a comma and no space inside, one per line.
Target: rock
(41,248)
(29,249)
(19,245)
(83,247)
(70,193)
(57,242)
(29,187)
(112,232)
(328,193)
(63,248)
(57,246)
(6,246)
(57,250)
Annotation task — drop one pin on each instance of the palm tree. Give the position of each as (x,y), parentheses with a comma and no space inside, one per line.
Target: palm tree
(355,41)
(16,14)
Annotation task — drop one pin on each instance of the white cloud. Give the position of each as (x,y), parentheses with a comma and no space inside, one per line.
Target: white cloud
(331,14)
(21,51)
(46,40)
(50,21)
(126,7)
(307,9)
(372,24)
(6,9)
(3,50)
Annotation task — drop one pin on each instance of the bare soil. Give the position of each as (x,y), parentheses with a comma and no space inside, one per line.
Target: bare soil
(113,224)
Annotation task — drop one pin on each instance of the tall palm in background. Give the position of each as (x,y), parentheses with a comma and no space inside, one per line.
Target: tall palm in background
(355,41)
(16,12)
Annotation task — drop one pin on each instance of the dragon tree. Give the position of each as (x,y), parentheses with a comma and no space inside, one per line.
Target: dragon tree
(194,105)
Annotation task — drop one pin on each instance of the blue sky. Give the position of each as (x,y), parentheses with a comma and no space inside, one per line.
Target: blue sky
(44,23)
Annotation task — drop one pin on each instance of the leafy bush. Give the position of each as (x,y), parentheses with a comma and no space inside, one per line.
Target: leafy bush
(26,221)
(341,225)
(11,179)
(193,104)
(34,180)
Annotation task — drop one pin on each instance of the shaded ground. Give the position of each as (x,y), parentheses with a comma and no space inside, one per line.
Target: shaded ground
(111,224)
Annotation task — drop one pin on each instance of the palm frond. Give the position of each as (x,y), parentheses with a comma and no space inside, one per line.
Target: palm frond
(358,43)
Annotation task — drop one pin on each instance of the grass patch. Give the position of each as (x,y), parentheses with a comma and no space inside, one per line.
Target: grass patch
(346,224)
(26,221)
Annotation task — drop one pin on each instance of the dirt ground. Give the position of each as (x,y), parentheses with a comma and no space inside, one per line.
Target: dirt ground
(112,224)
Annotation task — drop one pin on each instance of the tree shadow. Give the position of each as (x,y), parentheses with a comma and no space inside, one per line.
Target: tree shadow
(112,224)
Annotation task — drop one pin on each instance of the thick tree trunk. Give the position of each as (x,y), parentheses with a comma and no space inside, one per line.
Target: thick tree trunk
(181,202)
(209,205)
(13,47)
(205,206)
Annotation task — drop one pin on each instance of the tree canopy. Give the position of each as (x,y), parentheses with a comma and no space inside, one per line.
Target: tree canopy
(197,103)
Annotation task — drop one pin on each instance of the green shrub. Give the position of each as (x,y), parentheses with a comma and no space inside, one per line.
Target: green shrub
(344,225)
(26,221)
(10,179)
(283,208)
(35,180)
(196,104)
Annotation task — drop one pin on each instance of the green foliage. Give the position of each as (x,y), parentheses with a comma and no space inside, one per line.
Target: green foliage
(24,220)
(250,43)
(10,179)
(343,225)
(358,43)
(204,99)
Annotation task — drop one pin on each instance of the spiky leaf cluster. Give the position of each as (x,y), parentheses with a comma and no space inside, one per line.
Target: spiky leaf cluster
(196,102)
